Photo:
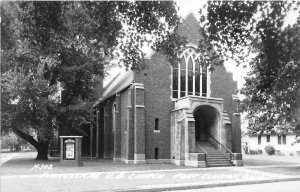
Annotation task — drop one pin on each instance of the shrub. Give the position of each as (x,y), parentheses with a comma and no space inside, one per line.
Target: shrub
(270,150)
(253,152)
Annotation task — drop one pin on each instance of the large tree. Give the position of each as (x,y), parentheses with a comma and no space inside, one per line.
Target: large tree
(256,34)
(53,47)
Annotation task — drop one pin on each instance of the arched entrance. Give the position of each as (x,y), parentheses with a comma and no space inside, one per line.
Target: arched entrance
(206,123)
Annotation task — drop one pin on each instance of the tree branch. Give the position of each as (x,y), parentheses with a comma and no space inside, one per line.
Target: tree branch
(26,137)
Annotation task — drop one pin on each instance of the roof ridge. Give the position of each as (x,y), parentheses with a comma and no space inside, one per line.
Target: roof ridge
(111,81)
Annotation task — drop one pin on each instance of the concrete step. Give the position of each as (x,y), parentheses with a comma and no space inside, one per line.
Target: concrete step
(214,157)
(218,162)
(217,158)
(219,165)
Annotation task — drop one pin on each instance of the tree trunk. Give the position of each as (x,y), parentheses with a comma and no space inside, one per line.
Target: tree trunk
(41,147)
(18,147)
(42,150)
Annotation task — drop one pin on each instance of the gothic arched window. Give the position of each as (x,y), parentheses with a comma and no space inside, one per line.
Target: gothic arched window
(190,75)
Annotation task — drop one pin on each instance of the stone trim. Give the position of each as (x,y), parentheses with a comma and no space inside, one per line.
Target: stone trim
(141,106)
(195,163)
(178,162)
(238,162)
(139,87)
(139,156)
(129,161)
(197,97)
(185,108)
(158,161)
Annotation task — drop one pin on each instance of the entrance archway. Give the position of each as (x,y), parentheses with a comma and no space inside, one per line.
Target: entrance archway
(206,123)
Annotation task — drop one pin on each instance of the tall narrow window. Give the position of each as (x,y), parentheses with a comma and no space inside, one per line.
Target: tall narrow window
(190,77)
(259,139)
(279,139)
(197,77)
(182,77)
(284,139)
(268,138)
(156,153)
(156,124)
(175,81)
(204,80)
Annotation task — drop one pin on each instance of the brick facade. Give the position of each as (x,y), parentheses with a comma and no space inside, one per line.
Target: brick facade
(142,123)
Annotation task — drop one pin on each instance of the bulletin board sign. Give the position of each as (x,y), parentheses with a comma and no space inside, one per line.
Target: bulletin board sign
(69,149)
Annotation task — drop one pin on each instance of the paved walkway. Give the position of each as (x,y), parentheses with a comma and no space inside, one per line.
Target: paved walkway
(101,175)
(4,157)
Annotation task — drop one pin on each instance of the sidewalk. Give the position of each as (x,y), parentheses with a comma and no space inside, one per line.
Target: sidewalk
(101,175)
(156,180)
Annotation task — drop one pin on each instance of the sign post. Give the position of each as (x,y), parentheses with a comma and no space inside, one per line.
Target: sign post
(70,153)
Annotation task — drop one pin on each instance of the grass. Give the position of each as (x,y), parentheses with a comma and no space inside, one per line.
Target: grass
(282,170)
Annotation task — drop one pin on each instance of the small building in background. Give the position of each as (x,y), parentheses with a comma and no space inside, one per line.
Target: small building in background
(284,143)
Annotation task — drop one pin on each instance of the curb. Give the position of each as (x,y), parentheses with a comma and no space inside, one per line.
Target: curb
(206,185)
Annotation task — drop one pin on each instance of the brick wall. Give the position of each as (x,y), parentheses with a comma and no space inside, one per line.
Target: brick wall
(223,86)
(156,78)
(124,105)
(108,130)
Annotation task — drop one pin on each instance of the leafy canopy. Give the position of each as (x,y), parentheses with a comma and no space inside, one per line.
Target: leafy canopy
(48,48)
(256,34)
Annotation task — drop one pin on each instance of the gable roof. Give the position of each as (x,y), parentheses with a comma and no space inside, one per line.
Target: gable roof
(189,28)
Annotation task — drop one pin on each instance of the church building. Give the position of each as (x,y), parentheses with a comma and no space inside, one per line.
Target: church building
(183,114)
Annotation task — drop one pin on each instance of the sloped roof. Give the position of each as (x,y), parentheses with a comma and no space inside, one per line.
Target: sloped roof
(119,83)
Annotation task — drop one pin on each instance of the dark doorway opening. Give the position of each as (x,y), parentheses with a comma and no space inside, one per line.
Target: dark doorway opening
(85,150)
(206,119)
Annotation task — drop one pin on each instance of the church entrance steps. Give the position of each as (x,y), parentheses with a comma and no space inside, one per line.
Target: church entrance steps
(214,157)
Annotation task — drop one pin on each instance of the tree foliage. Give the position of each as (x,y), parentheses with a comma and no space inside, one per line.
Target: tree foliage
(53,47)
(256,34)
(12,142)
